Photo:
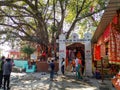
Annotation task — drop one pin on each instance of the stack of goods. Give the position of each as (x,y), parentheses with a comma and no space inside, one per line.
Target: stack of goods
(116,81)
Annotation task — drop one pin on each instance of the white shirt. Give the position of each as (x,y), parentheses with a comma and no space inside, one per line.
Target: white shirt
(76,62)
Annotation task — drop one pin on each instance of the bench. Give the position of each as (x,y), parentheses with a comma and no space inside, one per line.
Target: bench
(30,70)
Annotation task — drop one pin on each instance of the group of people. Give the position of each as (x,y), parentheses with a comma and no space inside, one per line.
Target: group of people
(5,71)
(78,68)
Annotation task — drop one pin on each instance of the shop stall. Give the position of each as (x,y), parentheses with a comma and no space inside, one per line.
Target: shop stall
(106,42)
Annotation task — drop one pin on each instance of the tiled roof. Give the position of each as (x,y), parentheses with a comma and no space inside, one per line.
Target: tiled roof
(107,17)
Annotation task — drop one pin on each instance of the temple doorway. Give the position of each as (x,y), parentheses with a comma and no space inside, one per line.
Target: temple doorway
(75,50)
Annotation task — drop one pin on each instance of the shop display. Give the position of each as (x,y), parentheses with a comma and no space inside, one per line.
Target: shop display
(116,81)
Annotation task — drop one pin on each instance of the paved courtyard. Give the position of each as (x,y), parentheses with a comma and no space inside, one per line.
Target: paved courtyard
(41,81)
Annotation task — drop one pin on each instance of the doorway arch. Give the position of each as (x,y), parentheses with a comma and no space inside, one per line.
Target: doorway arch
(79,51)
(87,50)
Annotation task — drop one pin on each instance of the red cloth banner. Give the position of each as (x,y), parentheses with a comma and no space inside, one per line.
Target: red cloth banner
(114,46)
(97,55)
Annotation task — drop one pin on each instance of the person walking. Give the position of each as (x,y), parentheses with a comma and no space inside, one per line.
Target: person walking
(52,66)
(76,67)
(79,68)
(62,66)
(1,70)
(73,65)
(7,68)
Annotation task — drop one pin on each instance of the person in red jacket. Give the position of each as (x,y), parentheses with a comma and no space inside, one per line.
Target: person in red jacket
(44,56)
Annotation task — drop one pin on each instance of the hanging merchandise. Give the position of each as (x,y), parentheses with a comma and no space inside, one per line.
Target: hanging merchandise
(114,46)
(116,81)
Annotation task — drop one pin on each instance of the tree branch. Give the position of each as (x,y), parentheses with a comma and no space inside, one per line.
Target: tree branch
(7,3)
(81,8)
(90,14)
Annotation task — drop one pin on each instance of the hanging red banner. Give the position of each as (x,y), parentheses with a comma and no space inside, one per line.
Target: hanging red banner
(114,46)
(97,55)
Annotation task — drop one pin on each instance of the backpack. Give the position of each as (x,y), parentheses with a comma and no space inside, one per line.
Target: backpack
(0,65)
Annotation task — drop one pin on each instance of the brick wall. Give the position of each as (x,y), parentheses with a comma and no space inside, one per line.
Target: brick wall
(43,66)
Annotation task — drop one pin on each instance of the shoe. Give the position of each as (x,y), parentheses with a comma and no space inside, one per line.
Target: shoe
(4,88)
(8,88)
(51,79)
(1,87)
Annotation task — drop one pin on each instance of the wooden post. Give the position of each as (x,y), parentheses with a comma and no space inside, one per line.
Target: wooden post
(102,75)
(118,20)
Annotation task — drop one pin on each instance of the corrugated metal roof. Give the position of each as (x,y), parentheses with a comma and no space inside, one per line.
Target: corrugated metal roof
(107,17)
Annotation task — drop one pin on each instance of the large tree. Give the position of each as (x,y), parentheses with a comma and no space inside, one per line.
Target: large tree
(42,21)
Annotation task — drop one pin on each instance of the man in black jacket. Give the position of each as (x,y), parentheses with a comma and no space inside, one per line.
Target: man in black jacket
(1,70)
(7,68)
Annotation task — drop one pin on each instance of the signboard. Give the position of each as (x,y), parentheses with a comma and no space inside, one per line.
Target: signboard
(70,40)
(33,56)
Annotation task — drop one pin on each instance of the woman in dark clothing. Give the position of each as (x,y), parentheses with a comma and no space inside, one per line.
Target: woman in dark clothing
(62,66)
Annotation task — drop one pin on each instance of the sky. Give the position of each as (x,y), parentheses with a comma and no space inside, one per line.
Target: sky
(5,48)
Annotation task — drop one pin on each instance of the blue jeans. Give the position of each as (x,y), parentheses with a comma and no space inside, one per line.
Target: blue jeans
(51,74)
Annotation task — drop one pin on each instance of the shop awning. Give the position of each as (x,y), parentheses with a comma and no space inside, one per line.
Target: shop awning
(107,17)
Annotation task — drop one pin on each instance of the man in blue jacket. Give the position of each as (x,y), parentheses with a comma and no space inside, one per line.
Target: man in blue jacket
(52,66)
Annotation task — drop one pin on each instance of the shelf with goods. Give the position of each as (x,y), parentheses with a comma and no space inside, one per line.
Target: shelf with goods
(116,81)
(105,66)
(103,63)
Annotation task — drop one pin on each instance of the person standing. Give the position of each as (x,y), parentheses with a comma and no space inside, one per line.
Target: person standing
(52,66)
(1,70)
(73,65)
(79,68)
(76,67)
(62,66)
(7,68)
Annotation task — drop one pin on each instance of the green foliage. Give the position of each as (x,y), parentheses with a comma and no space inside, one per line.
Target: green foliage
(28,49)
(53,28)
(28,18)
(70,16)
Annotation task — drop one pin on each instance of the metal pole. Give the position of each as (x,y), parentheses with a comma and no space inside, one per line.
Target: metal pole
(102,69)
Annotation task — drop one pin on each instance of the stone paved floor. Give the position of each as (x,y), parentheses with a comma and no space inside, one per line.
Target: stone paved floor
(40,81)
